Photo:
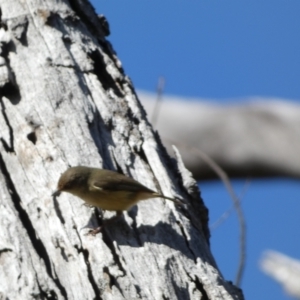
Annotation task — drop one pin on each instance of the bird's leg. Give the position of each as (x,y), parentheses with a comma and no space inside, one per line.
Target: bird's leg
(105,223)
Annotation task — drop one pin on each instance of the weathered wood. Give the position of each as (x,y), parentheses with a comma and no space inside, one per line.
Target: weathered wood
(256,139)
(65,102)
(284,269)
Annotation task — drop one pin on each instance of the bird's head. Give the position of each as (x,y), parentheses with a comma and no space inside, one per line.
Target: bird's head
(72,180)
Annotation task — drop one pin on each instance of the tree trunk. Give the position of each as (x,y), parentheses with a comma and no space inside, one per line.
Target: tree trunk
(65,101)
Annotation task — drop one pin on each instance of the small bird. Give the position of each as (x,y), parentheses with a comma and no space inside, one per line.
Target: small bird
(105,189)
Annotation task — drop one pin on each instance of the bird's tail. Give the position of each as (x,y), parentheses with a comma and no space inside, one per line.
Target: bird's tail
(177,201)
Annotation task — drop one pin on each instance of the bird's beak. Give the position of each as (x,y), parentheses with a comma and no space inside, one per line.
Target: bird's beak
(56,193)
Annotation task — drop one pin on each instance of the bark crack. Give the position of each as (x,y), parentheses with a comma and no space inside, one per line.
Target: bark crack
(115,255)
(19,28)
(87,14)
(49,295)
(199,286)
(186,240)
(67,67)
(95,287)
(58,211)
(91,278)
(112,280)
(8,147)
(25,220)
(4,250)
(9,86)
(107,81)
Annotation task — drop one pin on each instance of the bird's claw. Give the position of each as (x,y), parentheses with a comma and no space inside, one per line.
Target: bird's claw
(94,231)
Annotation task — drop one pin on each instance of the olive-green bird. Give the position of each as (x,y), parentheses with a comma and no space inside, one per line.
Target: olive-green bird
(105,189)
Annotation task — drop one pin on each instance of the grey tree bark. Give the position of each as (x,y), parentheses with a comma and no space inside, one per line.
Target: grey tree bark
(65,101)
(284,269)
(256,139)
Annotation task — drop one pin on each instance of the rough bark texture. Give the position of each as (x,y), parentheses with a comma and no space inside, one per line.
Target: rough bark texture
(65,101)
(256,139)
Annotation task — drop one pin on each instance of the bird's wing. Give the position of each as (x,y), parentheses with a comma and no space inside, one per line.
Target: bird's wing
(118,182)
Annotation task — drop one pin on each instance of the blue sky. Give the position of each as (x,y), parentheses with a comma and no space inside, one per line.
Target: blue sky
(215,49)
(222,50)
